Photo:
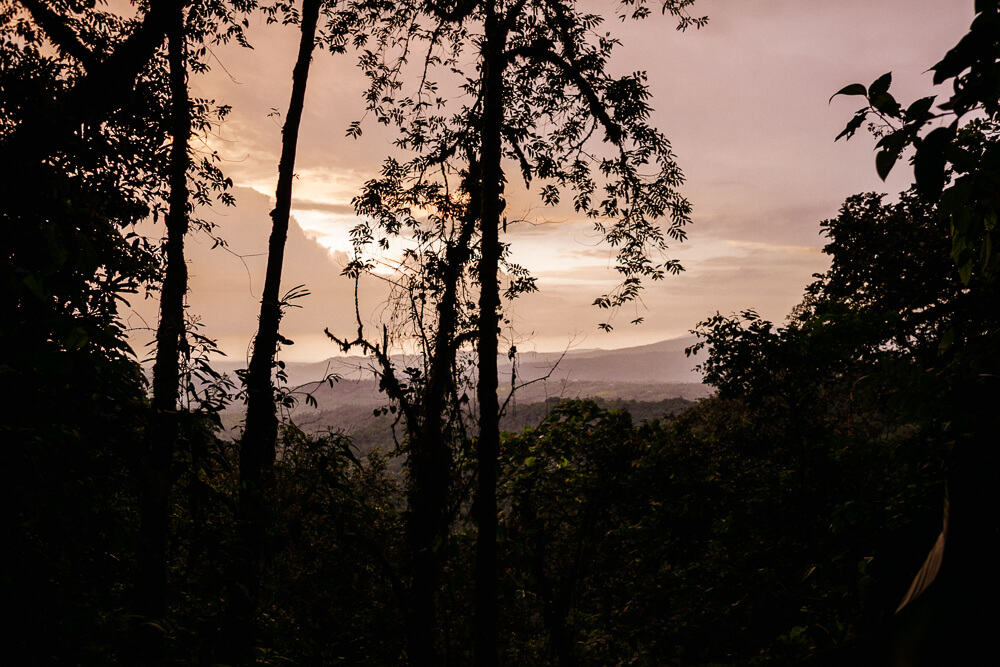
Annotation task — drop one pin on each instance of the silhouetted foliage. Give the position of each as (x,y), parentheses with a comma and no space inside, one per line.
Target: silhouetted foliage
(69,257)
(955,143)
(955,160)
(541,96)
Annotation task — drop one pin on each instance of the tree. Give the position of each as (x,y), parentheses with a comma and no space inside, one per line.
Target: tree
(570,484)
(537,62)
(334,587)
(258,443)
(157,112)
(888,294)
(431,295)
(956,152)
(853,397)
(191,25)
(102,88)
(70,199)
(151,587)
(955,144)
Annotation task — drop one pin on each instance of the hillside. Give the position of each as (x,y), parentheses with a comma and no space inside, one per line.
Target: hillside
(650,381)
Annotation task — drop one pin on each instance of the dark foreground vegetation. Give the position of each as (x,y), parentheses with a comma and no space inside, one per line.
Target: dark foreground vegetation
(780,521)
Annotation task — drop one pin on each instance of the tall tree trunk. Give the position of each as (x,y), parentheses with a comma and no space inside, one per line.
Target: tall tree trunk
(259,440)
(151,584)
(488,446)
(430,455)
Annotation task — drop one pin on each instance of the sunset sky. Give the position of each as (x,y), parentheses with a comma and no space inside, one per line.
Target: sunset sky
(743,100)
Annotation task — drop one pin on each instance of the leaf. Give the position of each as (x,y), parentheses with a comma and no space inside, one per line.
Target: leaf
(918,110)
(893,141)
(884,162)
(853,125)
(929,162)
(886,103)
(880,86)
(956,60)
(852,89)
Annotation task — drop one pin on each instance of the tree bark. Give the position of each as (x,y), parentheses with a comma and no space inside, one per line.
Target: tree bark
(257,447)
(151,585)
(488,445)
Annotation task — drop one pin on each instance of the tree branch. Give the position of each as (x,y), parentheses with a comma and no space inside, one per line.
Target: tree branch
(59,33)
(104,88)
(390,382)
(503,408)
(598,110)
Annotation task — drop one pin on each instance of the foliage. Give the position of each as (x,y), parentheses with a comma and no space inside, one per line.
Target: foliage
(561,105)
(955,161)
(869,366)
(689,541)
(956,157)
(333,584)
(69,258)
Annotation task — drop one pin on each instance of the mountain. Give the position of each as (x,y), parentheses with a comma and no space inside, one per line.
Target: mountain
(658,363)
(650,381)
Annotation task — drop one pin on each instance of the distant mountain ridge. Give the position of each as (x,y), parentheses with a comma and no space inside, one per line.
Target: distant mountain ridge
(663,362)
(647,380)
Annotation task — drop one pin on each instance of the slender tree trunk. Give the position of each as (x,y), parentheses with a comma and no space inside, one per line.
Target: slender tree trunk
(259,441)
(430,459)
(488,446)
(151,584)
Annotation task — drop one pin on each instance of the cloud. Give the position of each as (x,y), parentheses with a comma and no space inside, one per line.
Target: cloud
(744,102)
(225,283)
(322,207)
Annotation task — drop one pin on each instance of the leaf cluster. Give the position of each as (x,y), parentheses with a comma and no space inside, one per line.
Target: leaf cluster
(561,106)
(955,154)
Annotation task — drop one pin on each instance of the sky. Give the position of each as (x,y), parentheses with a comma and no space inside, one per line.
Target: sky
(744,101)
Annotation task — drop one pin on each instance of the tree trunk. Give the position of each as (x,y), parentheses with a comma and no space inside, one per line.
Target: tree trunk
(488,446)
(259,440)
(430,456)
(151,584)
